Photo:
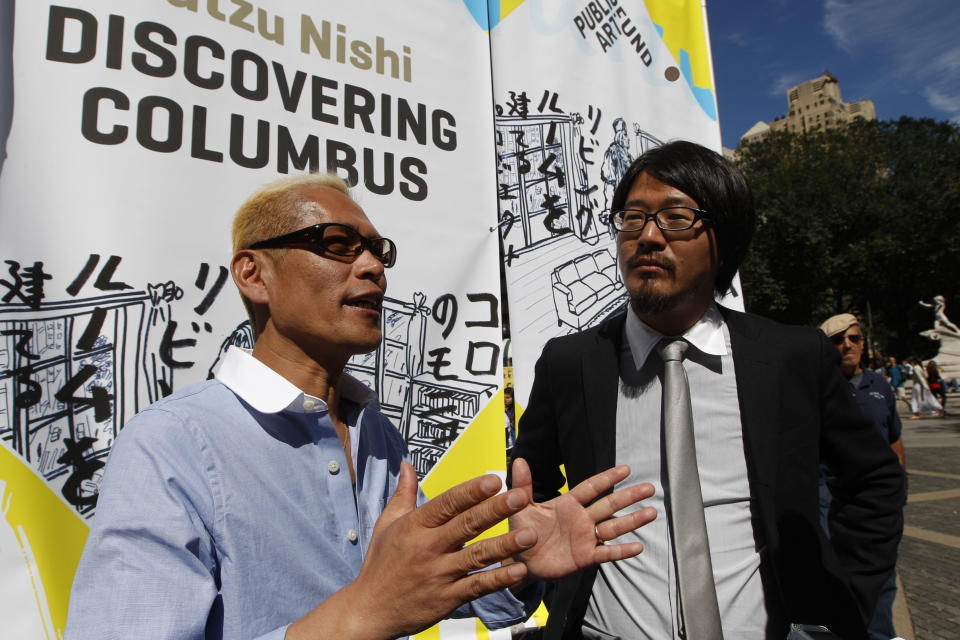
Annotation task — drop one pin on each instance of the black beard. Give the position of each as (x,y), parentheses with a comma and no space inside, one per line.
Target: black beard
(647,303)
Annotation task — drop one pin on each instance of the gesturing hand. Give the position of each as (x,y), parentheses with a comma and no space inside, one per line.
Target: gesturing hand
(417,570)
(567,527)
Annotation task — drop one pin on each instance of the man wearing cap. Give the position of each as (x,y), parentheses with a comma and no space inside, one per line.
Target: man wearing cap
(873,393)
(878,402)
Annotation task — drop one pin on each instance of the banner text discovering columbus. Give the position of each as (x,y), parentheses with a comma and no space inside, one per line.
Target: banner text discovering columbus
(110,116)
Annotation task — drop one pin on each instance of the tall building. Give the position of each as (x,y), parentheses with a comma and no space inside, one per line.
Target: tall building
(814,105)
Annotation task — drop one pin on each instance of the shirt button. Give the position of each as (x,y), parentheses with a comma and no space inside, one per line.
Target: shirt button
(309,404)
(333,466)
(352,534)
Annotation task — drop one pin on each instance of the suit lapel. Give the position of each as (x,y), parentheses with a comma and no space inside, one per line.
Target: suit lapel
(758,396)
(600,369)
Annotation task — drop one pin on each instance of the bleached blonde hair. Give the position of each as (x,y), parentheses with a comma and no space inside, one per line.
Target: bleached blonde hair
(271,211)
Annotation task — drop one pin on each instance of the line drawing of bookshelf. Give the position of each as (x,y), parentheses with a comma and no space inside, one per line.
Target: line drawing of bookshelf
(429,413)
(442,411)
(555,181)
(71,374)
(543,191)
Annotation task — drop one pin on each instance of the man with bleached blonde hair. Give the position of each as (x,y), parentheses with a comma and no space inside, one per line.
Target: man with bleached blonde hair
(276,501)
(270,211)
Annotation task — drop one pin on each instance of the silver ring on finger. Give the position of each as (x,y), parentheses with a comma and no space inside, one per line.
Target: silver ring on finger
(596,532)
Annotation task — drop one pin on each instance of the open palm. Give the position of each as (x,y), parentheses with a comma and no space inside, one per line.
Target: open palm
(568,526)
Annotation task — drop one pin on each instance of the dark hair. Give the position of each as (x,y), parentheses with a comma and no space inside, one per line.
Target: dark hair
(715,184)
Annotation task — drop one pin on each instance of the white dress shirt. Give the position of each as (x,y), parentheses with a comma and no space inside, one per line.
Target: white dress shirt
(637,598)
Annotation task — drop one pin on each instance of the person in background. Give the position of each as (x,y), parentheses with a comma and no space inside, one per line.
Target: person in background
(878,401)
(938,386)
(897,374)
(922,400)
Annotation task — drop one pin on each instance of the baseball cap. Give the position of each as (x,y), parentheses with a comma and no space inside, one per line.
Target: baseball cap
(838,324)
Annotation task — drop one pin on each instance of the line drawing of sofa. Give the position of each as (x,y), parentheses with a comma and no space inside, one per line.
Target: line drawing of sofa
(586,288)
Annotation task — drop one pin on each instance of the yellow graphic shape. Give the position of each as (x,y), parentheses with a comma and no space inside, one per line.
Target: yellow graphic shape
(433,633)
(51,537)
(481,631)
(480,449)
(507,6)
(683,29)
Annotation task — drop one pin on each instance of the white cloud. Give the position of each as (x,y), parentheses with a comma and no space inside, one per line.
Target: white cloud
(944,99)
(837,22)
(916,41)
(784,81)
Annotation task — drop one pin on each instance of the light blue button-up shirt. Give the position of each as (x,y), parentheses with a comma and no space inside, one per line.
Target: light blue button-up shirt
(227,511)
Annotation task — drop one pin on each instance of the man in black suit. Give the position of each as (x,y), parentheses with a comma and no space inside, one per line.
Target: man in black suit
(767,403)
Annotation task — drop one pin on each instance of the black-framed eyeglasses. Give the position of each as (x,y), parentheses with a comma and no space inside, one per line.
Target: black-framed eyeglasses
(667,219)
(336,238)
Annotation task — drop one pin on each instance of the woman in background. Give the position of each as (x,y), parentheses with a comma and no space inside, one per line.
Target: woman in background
(922,400)
(938,386)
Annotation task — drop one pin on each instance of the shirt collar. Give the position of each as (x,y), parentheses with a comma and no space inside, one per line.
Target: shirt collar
(706,335)
(269,392)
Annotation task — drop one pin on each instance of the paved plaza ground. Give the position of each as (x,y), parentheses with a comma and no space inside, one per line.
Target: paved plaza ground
(929,564)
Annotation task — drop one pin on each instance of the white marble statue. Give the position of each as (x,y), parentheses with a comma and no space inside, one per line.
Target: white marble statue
(947,334)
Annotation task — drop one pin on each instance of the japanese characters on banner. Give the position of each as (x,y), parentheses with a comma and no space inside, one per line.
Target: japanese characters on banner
(132,132)
(582,89)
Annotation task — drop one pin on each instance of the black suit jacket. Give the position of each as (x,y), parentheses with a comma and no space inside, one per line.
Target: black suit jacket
(796,410)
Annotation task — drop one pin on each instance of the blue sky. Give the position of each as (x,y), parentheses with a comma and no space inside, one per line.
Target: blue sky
(902,54)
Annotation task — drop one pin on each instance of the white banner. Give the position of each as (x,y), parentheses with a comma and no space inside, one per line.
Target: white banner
(131,131)
(582,88)
(137,130)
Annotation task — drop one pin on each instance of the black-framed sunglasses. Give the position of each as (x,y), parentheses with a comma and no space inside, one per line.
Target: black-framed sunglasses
(667,219)
(336,238)
(838,338)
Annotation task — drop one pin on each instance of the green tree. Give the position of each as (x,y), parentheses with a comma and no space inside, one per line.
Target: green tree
(865,217)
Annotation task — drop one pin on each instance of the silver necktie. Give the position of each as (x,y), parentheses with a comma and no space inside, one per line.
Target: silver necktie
(700,613)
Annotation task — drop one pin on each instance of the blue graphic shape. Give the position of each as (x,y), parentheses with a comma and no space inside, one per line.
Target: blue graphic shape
(486,13)
(703,96)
